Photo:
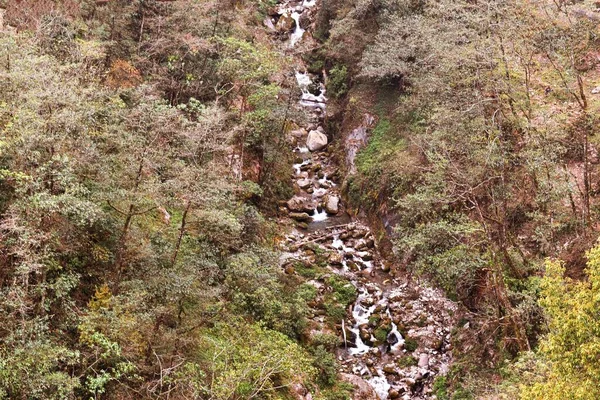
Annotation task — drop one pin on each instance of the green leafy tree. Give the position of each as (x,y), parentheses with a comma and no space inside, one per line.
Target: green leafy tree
(571,349)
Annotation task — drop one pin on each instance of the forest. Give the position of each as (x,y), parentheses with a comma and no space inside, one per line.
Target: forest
(299,199)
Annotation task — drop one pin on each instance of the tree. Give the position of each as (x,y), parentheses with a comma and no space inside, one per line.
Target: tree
(571,349)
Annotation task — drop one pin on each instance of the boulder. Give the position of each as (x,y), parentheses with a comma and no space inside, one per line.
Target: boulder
(362,389)
(316,141)
(269,24)
(301,204)
(390,369)
(298,133)
(285,24)
(300,216)
(303,183)
(332,204)
(336,259)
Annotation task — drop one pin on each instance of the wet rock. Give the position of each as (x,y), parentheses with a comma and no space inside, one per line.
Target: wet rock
(336,259)
(390,369)
(316,141)
(332,204)
(268,22)
(301,204)
(303,183)
(362,389)
(285,24)
(367,256)
(300,216)
(365,335)
(320,192)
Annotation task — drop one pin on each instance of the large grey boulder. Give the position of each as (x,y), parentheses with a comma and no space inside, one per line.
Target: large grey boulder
(332,204)
(316,141)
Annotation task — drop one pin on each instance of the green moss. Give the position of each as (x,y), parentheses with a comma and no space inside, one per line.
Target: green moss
(381,333)
(334,310)
(440,388)
(343,291)
(306,292)
(306,271)
(374,320)
(410,344)
(406,361)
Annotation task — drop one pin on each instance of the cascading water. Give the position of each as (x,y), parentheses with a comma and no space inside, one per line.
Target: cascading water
(373,342)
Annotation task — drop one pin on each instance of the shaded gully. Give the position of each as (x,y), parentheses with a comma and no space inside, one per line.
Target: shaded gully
(395,338)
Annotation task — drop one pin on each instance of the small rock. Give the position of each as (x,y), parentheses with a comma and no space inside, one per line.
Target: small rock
(390,369)
(423,360)
(367,256)
(336,259)
(289,269)
(298,133)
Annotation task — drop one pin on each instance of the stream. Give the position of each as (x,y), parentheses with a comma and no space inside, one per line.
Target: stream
(395,338)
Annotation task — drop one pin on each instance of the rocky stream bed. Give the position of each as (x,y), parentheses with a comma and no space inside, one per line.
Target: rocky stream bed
(395,338)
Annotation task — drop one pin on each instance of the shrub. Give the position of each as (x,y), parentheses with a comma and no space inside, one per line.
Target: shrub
(337,82)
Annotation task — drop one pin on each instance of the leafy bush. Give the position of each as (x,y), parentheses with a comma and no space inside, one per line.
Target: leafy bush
(250,361)
(337,82)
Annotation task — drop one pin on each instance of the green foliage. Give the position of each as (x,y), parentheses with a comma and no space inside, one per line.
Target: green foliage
(43,361)
(326,365)
(440,388)
(410,344)
(252,282)
(344,292)
(570,351)
(337,82)
(410,361)
(249,361)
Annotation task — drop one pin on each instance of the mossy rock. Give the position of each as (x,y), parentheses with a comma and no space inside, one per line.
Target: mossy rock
(410,344)
(407,361)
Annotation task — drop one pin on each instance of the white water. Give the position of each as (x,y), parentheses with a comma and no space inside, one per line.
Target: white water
(298,32)
(381,385)
(326,182)
(320,216)
(308,99)
(298,167)
(396,347)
